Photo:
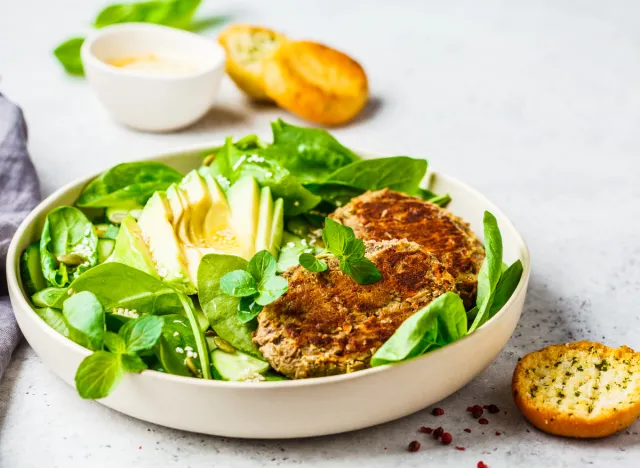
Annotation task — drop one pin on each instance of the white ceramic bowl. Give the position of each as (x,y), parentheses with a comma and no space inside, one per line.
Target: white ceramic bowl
(153,102)
(296,408)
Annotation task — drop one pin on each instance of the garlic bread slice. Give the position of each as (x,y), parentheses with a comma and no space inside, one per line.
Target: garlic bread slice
(247,48)
(582,389)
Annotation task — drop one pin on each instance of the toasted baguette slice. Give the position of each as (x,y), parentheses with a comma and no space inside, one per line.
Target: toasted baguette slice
(247,48)
(316,82)
(581,389)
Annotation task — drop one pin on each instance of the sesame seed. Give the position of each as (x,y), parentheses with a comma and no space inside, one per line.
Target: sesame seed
(176,334)
(179,350)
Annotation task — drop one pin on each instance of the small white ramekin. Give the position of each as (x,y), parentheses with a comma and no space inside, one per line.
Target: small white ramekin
(153,102)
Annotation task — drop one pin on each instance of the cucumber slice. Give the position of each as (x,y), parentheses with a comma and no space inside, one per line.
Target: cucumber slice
(116,214)
(105,247)
(31,270)
(238,366)
(48,297)
(54,319)
(107,231)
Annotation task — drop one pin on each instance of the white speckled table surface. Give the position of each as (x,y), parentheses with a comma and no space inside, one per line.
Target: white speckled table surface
(536,104)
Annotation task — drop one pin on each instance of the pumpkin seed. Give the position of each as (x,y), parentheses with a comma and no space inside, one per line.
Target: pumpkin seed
(192,367)
(209,333)
(224,345)
(208,160)
(71,259)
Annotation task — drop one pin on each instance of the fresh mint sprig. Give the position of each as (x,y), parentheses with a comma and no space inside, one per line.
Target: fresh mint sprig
(340,241)
(258,285)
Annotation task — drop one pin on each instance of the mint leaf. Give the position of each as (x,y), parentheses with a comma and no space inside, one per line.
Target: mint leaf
(114,343)
(238,283)
(262,266)
(311,263)
(68,54)
(98,374)
(85,319)
(271,289)
(354,251)
(336,237)
(248,309)
(362,272)
(133,364)
(142,333)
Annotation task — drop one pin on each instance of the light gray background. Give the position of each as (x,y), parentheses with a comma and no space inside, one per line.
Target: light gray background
(536,104)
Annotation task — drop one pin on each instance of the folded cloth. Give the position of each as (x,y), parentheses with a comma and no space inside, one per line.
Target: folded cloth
(19,194)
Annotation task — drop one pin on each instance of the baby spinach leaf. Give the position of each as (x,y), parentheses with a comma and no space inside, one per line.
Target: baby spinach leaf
(311,263)
(68,54)
(400,173)
(84,316)
(440,200)
(441,322)
(68,246)
(142,333)
(99,374)
(174,13)
(506,286)
(220,308)
(238,283)
(490,271)
(48,297)
(120,286)
(133,182)
(170,349)
(54,319)
(311,154)
(114,343)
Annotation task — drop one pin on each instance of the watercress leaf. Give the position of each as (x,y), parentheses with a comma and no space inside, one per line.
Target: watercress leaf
(68,236)
(220,308)
(490,271)
(271,289)
(311,263)
(132,363)
(84,317)
(142,333)
(114,343)
(120,286)
(336,237)
(54,319)
(362,272)
(248,309)
(99,374)
(262,266)
(68,54)
(441,322)
(132,182)
(506,286)
(238,283)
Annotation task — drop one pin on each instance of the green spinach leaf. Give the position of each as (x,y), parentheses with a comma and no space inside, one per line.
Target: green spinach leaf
(119,286)
(99,374)
(68,246)
(68,54)
(84,316)
(54,319)
(174,13)
(128,183)
(506,286)
(441,322)
(177,336)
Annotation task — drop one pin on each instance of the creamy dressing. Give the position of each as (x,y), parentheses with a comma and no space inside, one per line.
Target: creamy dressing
(155,65)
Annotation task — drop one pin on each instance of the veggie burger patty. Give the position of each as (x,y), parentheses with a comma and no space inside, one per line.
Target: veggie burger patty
(386,214)
(328,324)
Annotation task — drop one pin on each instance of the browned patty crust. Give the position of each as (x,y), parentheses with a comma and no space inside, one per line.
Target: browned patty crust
(328,324)
(386,214)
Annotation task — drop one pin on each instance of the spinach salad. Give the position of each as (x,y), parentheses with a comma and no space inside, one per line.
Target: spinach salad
(154,269)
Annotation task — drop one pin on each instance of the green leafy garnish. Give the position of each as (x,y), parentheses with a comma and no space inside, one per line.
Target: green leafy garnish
(84,316)
(257,285)
(68,54)
(340,241)
(441,322)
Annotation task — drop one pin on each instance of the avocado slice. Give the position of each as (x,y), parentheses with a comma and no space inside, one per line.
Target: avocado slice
(277,228)
(131,249)
(197,198)
(265,221)
(168,257)
(238,366)
(244,200)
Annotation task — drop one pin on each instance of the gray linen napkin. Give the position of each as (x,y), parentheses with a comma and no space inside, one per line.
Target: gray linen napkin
(19,194)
